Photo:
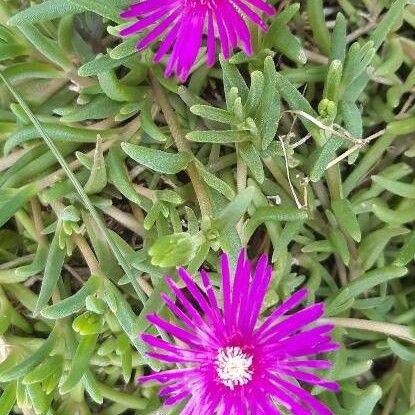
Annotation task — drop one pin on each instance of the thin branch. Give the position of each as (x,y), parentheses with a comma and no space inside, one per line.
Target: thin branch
(342,133)
(26,259)
(287,168)
(301,142)
(10,159)
(125,219)
(316,57)
(361,31)
(87,253)
(355,148)
(74,273)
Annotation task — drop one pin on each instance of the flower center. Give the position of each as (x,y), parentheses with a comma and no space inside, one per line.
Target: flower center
(233,367)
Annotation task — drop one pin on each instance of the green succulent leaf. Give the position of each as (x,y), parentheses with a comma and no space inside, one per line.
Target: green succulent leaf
(174,250)
(160,161)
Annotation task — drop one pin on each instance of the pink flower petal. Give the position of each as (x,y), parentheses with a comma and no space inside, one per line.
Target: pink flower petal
(211,334)
(189,22)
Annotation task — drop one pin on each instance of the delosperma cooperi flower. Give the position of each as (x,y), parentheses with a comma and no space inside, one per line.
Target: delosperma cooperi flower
(182,26)
(232,362)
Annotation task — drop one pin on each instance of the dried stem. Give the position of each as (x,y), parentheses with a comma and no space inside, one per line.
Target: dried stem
(125,219)
(87,253)
(357,146)
(287,169)
(26,259)
(9,160)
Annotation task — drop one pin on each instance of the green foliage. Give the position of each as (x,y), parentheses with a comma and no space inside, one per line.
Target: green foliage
(112,177)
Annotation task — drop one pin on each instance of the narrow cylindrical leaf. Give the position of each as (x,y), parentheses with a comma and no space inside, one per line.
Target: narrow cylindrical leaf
(332,84)
(215,182)
(346,218)
(44,370)
(366,402)
(161,161)
(272,214)
(148,124)
(125,350)
(73,303)
(251,156)
(396,187)
(374,278)
(118,176)
(220,137)
(53,268)
(46,46)
(269,110)
(340,245)
(31,362)
(80,361)
(14,199)
(38,397)
(98,178)
(8,398)
(231,214)
(232,78)
(213,114)
(174,250)
(317,21)
(407,252)
(338,39)
(402,127)
(387,23)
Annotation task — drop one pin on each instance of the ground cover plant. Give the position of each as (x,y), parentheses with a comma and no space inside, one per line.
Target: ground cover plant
(299,146)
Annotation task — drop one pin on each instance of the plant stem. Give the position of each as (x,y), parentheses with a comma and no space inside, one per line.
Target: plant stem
(9,160)
(389,329)
(125,219)
(26,259)
(182,145)
(87,253)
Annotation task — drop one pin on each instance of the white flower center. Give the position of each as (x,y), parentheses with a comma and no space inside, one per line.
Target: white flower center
(233,367)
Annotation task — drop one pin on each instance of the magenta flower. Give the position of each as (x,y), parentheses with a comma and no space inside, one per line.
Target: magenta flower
(182,24)
(230,364)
